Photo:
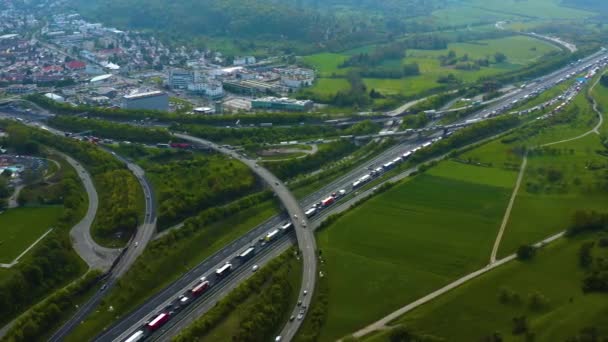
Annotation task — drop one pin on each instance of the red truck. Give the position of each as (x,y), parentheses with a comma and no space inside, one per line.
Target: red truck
(200,288)
(179,145)
(328,201)
(158,321)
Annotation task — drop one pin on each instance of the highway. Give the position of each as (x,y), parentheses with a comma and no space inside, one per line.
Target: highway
(131,320)
(306,240)
(345,181)
(135,319)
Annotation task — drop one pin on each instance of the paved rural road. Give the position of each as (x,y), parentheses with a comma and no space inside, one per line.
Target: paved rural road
(306,240)
(93,254)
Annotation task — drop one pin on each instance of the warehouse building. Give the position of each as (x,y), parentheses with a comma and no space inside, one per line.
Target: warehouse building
(282,104)
(153,100)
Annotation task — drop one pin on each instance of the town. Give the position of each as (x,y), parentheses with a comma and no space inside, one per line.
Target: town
(73,61)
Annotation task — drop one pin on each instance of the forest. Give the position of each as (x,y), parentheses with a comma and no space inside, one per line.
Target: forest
(299,20)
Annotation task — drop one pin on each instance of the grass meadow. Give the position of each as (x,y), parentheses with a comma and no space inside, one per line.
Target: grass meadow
(474,311)
(409,241)
(20,227)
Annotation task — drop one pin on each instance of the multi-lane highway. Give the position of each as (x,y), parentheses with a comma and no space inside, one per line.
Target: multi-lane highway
(137,317)
(305,237)
(155,303)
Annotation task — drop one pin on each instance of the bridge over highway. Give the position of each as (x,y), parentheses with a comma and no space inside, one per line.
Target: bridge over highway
(305,236)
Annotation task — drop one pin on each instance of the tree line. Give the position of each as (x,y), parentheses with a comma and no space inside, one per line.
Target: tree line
(120,114)
(110,130)
(45,316)
(185,187)
(264,135)
(119,205)
(53,261)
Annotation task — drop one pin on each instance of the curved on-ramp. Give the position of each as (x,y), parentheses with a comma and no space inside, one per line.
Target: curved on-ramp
(305,236)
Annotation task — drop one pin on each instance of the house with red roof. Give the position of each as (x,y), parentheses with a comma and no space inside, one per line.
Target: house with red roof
(75,65)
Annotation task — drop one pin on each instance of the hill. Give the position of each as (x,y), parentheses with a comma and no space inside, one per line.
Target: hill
(312,21)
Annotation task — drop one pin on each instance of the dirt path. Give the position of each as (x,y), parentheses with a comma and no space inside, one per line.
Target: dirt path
(505,219)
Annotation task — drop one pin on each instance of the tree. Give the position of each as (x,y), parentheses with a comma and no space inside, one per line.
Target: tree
(400,334)
(604,80)
(520,325)
(537,301)
(500,57)
(526,252)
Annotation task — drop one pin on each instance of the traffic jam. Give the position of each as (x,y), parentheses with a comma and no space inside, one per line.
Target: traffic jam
(205,283)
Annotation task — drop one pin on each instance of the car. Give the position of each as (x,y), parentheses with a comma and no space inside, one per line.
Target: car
(278,339)
(104,286)
(300,316)
(254,268)
(136,243)
(295,215)
(299,303)
(292,318)
(303,223)
(305,292)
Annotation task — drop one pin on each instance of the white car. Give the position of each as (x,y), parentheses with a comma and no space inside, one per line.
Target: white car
(254,268)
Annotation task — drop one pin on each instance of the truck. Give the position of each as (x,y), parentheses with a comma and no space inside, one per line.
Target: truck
(158,321)
(272,235)
(180,145)
(224,270)
(328,201)
(388,166)
(199,289)
(285,227)
(406,155)
(365,178)
(247,254)
(310,212)
(136,336)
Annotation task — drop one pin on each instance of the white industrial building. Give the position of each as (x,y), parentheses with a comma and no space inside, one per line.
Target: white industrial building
(152,100)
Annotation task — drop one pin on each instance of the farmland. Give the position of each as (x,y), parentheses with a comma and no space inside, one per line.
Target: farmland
(414,238)
(519,50)
(20,227)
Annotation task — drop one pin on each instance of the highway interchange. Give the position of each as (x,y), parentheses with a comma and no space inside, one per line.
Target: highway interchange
(158,302)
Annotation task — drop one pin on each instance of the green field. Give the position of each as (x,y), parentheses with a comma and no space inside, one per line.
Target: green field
(409,241)
(20,227)
(520,51)
(473,310)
